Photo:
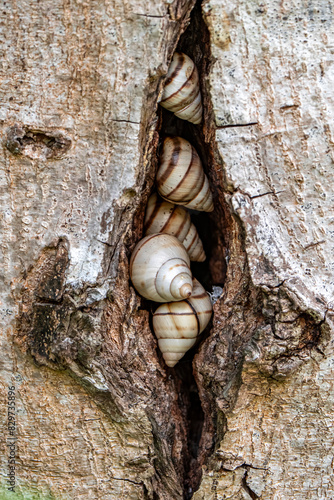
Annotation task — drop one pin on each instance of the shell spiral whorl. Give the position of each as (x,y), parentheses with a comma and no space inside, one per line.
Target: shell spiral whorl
(178,324)
(160,265)
(164,217)
(182,94)
(181,178)
(159,268)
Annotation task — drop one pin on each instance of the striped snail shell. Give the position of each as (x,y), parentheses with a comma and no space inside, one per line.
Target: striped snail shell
(181,178)
(159,268)
(164,217)
(181,94)
(178,324)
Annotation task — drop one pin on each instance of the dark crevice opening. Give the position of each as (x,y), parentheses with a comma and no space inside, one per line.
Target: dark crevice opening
(190,403)
(205,426)
(201,419)
(250,492)
(200,439)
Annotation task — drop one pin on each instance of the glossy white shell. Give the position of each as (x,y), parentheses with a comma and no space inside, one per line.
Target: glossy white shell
(164,217)
(180,177)
(178,324)
(181,94)
(159,268)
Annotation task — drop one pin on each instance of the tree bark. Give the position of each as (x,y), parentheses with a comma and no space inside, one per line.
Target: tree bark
(248,412)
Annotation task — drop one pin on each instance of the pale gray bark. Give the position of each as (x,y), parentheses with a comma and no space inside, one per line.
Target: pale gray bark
(99,415)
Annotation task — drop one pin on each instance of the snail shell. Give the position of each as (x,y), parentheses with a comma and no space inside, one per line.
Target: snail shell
(159,268)
(181,94)
(180,177)
(178,324)
(164,217)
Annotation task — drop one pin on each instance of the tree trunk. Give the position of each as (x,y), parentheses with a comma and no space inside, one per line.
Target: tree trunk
(90,410)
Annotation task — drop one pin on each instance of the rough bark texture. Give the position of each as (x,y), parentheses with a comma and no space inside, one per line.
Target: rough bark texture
(267,368)
(99,415)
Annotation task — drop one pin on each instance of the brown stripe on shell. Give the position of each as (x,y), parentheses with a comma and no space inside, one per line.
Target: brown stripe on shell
(191,188)
(184,179)
(153,215)
(194,111)
(177,327)
(194,99)
(193,241)
(187,97)
(177,314)
(176,70)
(176,265)
(195,312)
(170,222)
(172,162)
(199,190)
(207,196)
(181,226)
(199,105)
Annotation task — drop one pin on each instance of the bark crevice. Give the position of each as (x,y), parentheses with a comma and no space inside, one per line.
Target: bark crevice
(246,487)
(199,420)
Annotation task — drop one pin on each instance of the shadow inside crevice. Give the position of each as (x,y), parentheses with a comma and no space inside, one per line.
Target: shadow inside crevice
(212,228)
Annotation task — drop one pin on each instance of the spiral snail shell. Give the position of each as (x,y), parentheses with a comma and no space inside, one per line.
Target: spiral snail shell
(178,324)
(181,94)
(159,268)
(164,217)
(180,177)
